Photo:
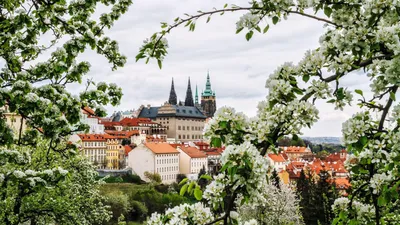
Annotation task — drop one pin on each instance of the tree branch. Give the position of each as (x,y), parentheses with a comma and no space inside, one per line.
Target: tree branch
(387,107)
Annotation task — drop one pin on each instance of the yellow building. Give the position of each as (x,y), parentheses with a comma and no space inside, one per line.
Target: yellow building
(112,154)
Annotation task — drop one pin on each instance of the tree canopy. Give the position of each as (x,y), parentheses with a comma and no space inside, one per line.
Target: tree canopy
(361,37)
(42,179)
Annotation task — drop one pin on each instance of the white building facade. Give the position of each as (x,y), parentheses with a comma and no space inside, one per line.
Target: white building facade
(192,160)
(159,158)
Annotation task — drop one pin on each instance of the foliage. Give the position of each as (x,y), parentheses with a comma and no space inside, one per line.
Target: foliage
(44,182)
(275,179)
(138,212)
(180,177)
(202,181)
(286,141)
(45,187)
(361,37)
(317,195)
(273,207)
(119,205)
(125,178)
(126,141)
(153,177)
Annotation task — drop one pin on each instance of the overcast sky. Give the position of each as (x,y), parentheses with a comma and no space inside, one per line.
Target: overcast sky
(238,69)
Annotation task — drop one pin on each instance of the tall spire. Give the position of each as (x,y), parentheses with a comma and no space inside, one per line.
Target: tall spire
(189,96)
(196,98)
(172,95)
(208,91)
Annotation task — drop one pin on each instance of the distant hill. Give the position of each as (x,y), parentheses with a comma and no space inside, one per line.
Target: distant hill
(322,140)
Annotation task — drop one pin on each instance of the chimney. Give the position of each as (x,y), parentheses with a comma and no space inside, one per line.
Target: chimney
(148,106)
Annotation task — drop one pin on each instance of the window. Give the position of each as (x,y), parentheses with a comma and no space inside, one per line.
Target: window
(179,136)
(183,136)
(188,128)
(179,127)
(183,127)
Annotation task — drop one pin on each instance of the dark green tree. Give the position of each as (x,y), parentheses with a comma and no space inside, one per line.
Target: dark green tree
(326,194)
(275,179)
(126,141)
(202,182)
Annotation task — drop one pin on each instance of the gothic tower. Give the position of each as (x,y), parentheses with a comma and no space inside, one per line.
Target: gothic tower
(172,95)
(208,99)
(196,97)
(189,96)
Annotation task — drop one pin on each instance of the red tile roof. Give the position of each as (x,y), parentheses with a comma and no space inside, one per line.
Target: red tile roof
(200,143)
(276,158)
(161,148)
(92,137)
(193,152)
(127,149)
(122,134)
(87,110)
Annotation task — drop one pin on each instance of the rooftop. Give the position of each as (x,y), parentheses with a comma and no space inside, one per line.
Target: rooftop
(161,148)
(193,152)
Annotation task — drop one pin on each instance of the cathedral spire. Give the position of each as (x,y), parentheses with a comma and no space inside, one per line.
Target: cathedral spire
(189,96)
(172,95)
(208,83)
(208,91)
(196,98)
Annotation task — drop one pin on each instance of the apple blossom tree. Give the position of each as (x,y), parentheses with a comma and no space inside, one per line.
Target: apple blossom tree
(40,41)
(361,36)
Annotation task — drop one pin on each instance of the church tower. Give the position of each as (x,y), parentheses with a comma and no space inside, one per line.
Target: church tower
(172,95)
(189,96)
(208,99)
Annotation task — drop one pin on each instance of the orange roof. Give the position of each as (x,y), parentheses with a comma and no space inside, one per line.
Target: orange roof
(92,137)
(276,158)
(342,182)
(127,149)
(193,152)
(295,149)
(87,110)
(160,148)
(122,134)
(175,145)
(201,143)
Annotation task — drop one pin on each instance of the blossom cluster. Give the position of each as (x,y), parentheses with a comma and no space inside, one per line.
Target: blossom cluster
(196,213)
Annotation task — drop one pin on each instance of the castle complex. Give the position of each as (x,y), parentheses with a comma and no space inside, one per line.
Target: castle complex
(184,120)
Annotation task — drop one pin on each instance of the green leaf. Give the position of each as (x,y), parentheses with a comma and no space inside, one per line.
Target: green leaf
(363,140)
(306,78)
(184,180)
(223,124)
(258,29)
(159,63)
(381,201)
(206,176)
(275,20)
(216,142)
(191,185)
(266,29)
(327,11)
(331,101)
(226,5)
(238,30)
(358,91)
(183,189)
(392,96)
(198,194)
(249,35)
(208,19)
